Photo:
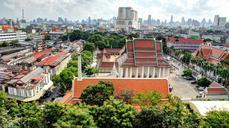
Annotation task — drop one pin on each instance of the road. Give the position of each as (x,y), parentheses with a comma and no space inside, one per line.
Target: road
(181,87)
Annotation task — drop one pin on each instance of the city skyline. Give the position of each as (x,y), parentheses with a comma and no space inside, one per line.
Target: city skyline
(52,9)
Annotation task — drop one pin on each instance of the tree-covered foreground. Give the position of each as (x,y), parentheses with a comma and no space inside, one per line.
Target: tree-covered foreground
(104,110)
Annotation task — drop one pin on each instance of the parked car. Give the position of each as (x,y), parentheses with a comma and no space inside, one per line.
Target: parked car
(188,78)
(194,82)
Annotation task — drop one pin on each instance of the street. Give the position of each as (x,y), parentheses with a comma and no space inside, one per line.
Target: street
(181,87)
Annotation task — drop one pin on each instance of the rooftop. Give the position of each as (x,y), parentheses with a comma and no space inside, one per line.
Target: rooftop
(122,84)
(184,40)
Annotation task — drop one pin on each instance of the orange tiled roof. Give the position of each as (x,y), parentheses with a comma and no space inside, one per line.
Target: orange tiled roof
(120,84)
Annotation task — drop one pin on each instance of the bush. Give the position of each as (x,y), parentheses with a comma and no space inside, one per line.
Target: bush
(203,82)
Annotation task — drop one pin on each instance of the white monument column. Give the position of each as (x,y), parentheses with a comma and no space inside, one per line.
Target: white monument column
(159,74)
(148,71)
(136,72)
(126,72)
(142,76)
(154,73)
(131,72)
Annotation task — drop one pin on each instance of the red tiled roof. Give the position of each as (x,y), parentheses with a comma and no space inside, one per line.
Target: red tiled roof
(142,52)
(226,45)
(52,60)
(216,88)
(184,40)
(135,85)
(211,54)
(42,53)
(37,78)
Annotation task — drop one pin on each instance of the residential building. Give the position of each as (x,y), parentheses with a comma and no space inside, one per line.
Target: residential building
(143,59)
(56,63)
(127,19)
(25,85)
(10,36)
(184,43)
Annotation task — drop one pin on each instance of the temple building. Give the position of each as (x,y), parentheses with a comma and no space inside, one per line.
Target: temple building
(106,58)
(143,58)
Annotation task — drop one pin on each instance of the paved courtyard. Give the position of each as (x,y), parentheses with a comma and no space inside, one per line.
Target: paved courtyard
(181,87)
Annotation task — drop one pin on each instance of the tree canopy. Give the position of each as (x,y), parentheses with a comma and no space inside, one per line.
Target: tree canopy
(96,95)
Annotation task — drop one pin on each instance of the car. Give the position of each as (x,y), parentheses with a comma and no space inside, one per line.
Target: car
(194,82)
(200,89)
(188,78)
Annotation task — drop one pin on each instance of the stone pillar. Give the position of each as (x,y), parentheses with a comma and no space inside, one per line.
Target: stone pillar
(148,71)
(131,72)
(121,72)
(142,76)
(163,72)
(136,72)
(126,72)
(159,73)
(154,73)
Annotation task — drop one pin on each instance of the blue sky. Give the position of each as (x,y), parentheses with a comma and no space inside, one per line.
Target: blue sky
(78,9)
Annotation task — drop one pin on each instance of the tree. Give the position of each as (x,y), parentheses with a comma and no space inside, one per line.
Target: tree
(30,115)
(203,82)
(91,70)
(96,95)
(149,118)
(176,115)
(52,112)
(217,119)
(187,72)
(47,37)
(114,114)
(76,117)
(186,58)
(89,47)
(147,98)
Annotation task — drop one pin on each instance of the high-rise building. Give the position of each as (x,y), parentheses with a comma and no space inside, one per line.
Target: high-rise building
(182,21)
(127,19)
(222,21)
(216,20)
(171,19)
(149,20)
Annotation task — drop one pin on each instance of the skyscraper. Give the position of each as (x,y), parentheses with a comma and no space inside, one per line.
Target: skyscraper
(182,21)
(216,20)
(127,19)
(149,20)
(171,20)
(222,21)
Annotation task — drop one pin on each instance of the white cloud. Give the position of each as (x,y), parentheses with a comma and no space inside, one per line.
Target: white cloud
(78,9)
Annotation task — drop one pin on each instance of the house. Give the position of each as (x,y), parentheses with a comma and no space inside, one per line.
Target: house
(27,85)
(184,43)
(120,84)
(143,58)
(56,63)
(211,54)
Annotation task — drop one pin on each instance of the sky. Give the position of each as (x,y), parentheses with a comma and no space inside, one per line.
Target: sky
(82,9)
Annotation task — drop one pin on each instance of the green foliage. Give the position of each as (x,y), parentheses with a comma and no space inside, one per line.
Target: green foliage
(187,72)
(89,47)
(11,43)
(96,95)
(151,98)
(76,117)
(149,118)
(30,116)
(47,37)
(186,58)
(217,119)
(52,112)
(114,114)
(91,70)
(203,82)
